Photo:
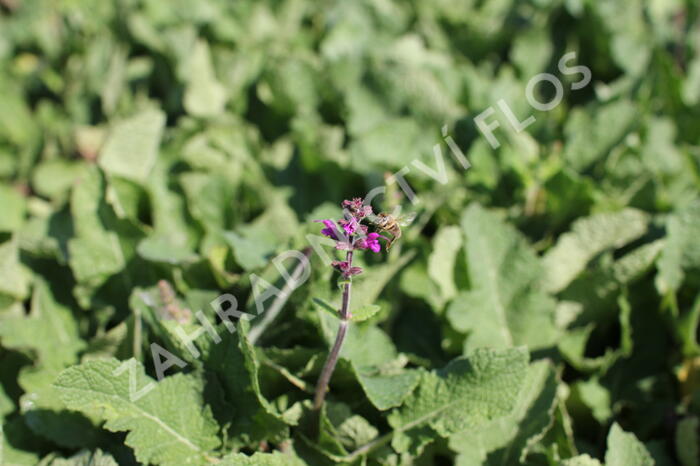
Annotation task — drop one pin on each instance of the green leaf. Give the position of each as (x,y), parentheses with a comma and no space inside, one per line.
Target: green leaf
(624,449)
(596,397)
(626,24)
(573,344)
(635,264)
(687,448)
(367,289)
(252,417)
(365,312)
(341,431)
(160,249)
(390,143)
(16,120)
(13,208)
(14,279)
(581,460)
(132,146)
(95,256)
(170,218)
(50,331)
(660,152)
(54,178)
(441,263)
(95,252)
(591,133)
(261,459)
(506,305)
(126,198)
(251,249)
(365,344)
(506,440)
(204,95)
(387,387)
(209,197)
(691,85)
(415,282)
(467,393)
(50,335)
(531,51)
(324,306)
(687,328)
(167,425)
(589,237)
(86,458)
(46,414)
(16,444)
(290,85)
(681,250)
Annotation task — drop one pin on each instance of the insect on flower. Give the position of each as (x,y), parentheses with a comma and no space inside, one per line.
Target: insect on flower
(392,225)
(349,233)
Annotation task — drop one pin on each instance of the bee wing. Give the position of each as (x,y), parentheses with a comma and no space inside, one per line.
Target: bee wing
(406,219)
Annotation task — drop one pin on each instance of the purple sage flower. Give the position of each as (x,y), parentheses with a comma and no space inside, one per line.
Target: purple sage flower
(357,208)
(350,234)
(330,229)
(350,226)
(371,242)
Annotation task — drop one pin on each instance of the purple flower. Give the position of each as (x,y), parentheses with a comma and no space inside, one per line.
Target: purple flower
(357,208)
(350,234)
(354,204)
(330,229)
(350,226)
(371,242)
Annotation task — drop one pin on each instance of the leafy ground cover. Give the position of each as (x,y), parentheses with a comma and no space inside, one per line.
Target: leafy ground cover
(158,160)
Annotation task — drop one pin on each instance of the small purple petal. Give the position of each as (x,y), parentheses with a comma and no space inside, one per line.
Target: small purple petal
(371,242)
(350,226)
(330,229)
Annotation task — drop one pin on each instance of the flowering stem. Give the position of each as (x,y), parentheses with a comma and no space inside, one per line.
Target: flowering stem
(345,306)
(329,367)
(332,360)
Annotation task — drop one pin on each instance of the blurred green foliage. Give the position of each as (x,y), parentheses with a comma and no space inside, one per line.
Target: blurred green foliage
(190,142)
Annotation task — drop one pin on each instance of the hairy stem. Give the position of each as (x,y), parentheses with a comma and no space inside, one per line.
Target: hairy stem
(329,367)
(332,360)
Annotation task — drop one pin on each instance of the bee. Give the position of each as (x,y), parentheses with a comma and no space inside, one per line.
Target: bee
(392,225)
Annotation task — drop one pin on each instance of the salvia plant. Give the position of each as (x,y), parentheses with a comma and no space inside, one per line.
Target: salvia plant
(350,235)
(181,283)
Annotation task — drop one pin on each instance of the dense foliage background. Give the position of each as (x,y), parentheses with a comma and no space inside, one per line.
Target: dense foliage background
(542,309)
